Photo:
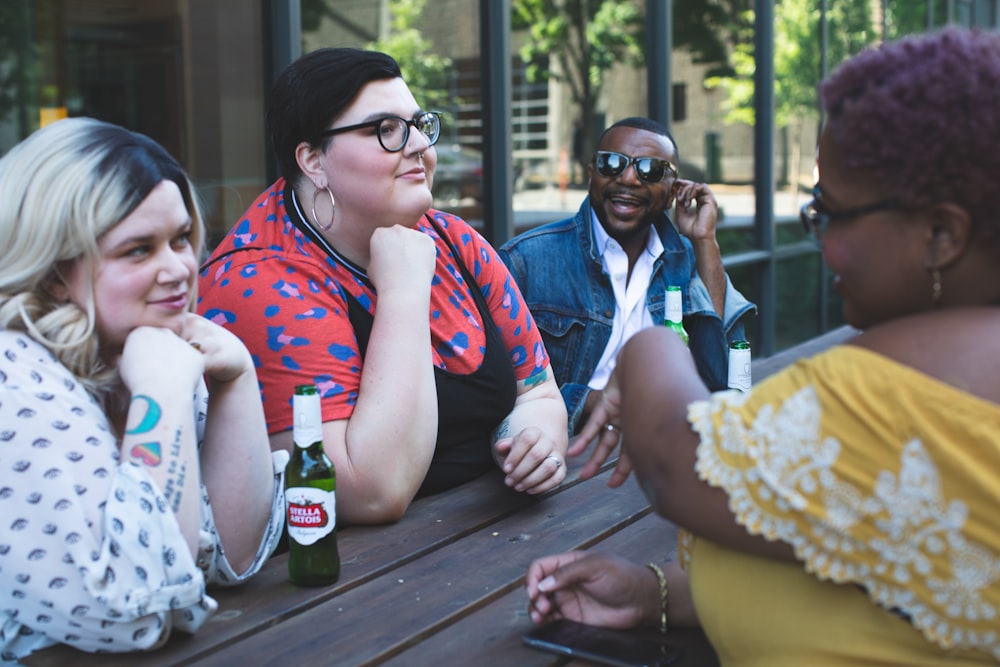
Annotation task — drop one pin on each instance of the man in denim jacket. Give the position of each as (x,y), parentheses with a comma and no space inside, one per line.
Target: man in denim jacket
(593,280)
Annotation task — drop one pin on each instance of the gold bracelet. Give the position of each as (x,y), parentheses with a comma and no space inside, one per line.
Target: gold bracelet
(658,571)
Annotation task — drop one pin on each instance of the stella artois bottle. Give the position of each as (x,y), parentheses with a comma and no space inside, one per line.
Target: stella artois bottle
(675,312)
(310,488)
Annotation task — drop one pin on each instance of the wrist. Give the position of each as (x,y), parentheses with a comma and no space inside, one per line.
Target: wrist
(708,242)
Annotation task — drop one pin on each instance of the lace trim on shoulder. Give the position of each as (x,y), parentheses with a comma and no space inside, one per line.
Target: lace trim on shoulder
(900,538)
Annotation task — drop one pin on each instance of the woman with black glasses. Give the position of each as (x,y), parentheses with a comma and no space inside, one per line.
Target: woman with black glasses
(844,511)
(430,369)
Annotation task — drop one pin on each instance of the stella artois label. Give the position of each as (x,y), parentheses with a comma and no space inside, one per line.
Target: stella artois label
(312,514)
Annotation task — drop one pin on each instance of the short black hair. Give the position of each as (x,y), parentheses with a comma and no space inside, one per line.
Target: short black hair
(643,123)
(313,91)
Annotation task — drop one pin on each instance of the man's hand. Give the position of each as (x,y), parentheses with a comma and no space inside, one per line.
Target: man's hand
(696,210)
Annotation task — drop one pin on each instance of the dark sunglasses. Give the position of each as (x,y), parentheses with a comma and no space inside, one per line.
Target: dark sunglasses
(393,132)
(610,164)
(815,219)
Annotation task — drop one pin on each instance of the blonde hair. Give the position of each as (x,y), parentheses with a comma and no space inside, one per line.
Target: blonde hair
(62,188)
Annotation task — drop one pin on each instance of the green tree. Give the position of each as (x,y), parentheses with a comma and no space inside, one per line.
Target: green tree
(19,66)
(586,38)
(905,17)
(797,55)
(710,30)
(426,74)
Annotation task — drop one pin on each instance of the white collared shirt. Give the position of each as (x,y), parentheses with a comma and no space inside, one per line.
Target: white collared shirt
(631,313)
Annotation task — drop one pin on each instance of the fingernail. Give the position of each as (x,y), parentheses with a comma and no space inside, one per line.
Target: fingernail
(546,584)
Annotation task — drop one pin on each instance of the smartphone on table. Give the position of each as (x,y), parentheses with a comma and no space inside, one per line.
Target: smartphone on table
(606,646)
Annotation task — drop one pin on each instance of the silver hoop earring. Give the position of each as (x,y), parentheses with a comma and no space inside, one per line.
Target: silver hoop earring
(333,208)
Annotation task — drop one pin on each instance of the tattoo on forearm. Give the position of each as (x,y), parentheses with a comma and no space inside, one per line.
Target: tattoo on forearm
(151,417)
(502,431)
(537,378)
(173,488)
(148,453)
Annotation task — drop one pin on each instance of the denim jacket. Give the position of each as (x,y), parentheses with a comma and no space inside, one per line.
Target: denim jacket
(559,270)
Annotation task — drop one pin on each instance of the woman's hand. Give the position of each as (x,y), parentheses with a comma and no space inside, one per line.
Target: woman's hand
(531,461)
(592,588)
(157,357)
(401,258)
(534,458)
(603,425)
(225,356)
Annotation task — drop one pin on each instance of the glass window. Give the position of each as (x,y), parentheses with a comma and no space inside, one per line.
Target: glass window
(188,74)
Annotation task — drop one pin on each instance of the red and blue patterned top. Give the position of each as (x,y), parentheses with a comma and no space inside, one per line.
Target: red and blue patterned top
(284,297)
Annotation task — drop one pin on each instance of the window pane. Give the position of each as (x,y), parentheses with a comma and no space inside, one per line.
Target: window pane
(186,74)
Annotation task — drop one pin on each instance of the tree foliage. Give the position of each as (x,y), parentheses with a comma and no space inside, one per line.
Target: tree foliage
(426,73)
(710,30)
(19,69)
(585,38)
(797,52)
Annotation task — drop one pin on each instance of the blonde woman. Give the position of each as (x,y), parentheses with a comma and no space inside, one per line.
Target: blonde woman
(111,442)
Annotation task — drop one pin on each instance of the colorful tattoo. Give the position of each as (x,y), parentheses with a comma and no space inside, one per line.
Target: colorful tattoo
(502,431)
(536,379)
(150,419)
(147,453)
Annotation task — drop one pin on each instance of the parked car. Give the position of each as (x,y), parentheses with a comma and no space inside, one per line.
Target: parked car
(458,175)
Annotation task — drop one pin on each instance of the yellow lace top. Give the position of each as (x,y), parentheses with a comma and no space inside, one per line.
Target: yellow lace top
(877,475)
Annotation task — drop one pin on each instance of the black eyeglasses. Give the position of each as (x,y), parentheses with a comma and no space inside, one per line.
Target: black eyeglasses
(393,132)
(815,219)
(649,169)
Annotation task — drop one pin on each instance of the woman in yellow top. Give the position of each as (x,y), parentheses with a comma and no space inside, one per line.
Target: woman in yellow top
(843,512)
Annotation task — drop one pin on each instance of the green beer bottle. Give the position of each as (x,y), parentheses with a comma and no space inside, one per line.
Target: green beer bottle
(310,494)
(675,312)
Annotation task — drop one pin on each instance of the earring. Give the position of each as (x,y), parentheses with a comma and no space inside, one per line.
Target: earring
(935,288)
(333,208)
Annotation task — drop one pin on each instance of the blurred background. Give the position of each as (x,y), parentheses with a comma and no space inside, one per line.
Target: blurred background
(525,87)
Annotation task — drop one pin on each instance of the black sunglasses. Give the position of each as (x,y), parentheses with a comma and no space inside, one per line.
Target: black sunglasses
(393,132)
(815,219)
(649,169)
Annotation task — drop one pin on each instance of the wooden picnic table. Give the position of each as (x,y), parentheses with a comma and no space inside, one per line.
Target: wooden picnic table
(444,586)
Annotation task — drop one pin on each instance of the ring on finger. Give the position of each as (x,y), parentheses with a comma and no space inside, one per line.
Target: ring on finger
(556,459)
(612,428)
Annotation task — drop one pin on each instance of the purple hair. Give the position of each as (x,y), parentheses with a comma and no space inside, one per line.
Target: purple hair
(921,116)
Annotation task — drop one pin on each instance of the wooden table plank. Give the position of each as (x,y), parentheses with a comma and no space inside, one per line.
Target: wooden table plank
(492,635)
(450,571)
(366,553)
(425,596)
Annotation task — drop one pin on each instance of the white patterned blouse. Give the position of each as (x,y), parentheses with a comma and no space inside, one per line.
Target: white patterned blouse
(90,553)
